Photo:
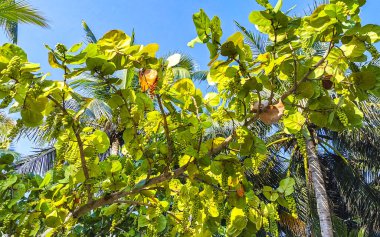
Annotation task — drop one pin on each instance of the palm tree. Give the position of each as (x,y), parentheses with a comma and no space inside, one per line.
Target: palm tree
(347,162)
(14,12)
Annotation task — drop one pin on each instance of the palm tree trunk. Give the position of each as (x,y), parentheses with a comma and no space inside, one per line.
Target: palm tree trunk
(115,146)
(318,183)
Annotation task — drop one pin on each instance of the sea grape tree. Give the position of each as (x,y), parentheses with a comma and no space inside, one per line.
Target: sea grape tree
(169,176)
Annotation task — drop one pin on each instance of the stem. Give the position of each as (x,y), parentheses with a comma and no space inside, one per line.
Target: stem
(135,203)
(112,198)
(319,63)
(80,145)
(167,131)
(224,144)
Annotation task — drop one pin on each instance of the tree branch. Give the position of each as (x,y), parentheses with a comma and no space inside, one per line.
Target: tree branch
(319,63)
(167,131)
(224,144)
(80,145)
(114,197)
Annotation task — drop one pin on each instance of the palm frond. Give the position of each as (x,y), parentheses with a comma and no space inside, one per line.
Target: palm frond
(90,86)
(11,29)
(180,72)
(22,12)
(39,163)
(199,75)
(90,37)
(257,42)
(359,197)
(133,37)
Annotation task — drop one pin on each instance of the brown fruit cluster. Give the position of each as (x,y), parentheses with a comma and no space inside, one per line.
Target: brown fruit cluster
(269,114)
(148,80)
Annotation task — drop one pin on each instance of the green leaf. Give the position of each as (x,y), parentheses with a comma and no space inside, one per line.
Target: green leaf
(75,47)
(100,140)
(212,209)
(94,63)
(150,49)
(110,210)
(270,194)
(116,166)
(318,118)
(238,222)
(194,41)
(8,51)
(228,49)
(216,29)
(114,42)
(53,61)
(142,221)
(365,80)
(216,167)
(278,6)
(286,186)
(46,180)
(212,99)
(372,32)
(260,18)
(294,122)
(306,89)
(161,223)
(202,24)
(31,118)
(355,48)
(5,184)
(52,220)
(108,68)
(6,159)
(184,87)
(185,159)
(264,3)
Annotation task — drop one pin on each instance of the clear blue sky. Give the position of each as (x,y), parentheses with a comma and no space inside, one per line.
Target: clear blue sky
(166,22)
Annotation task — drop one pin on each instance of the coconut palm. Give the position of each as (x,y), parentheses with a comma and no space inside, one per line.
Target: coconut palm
(348,163)
(13,12)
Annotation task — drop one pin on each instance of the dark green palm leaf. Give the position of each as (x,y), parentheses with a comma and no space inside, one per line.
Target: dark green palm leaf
(90,36)
(14,12)
(257,41)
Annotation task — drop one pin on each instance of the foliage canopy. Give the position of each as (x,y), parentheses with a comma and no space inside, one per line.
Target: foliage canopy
(171,176)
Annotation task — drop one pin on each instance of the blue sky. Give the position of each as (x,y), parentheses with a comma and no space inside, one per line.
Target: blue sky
(166,22)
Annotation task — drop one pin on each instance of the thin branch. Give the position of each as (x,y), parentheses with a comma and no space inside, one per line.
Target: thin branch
(80,145)
(136,203)
(224,144)
(109,199)
(319,63)
(167,131)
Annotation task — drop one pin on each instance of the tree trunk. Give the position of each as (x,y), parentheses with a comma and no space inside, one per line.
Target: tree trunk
(115,146)
(320,190)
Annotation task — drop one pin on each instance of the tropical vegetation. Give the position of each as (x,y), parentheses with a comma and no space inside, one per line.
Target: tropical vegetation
(285,144)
